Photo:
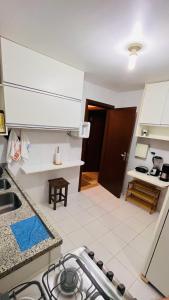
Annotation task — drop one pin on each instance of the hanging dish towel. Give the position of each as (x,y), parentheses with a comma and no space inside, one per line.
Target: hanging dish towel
(25,146)
(14,147)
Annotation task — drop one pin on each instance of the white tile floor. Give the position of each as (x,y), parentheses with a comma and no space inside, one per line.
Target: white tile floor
(118,232)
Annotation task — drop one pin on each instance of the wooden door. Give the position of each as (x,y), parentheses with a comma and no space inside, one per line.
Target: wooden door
(117,139)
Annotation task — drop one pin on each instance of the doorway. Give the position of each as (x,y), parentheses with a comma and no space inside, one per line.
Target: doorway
(95,113)
(106,150)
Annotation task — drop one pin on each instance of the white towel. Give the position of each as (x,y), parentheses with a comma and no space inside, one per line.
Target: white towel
(14,147)
(25,146)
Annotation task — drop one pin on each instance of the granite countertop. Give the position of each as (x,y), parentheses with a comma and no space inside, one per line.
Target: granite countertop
(11,258)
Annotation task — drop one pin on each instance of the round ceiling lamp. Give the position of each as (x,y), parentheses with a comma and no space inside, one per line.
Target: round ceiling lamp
(133,48)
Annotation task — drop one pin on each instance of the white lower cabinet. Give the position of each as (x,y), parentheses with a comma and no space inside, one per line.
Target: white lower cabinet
(25,108)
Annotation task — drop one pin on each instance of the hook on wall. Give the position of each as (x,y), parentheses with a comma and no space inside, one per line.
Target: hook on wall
(9,131)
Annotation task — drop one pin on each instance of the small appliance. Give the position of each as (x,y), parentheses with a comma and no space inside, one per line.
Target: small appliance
(141,169)
(157,164)
(164,176)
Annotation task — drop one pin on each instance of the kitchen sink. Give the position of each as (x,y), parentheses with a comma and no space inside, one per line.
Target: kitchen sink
(4,184)
(9,202)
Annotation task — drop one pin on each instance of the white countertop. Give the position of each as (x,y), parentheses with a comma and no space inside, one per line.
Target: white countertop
(38,168)
(148,178)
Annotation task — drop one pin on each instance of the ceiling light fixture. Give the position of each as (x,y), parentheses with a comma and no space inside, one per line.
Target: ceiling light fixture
(133,48)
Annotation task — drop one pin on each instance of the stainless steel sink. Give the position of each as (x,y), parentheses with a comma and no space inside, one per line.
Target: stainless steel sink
(4,184)
(9,202)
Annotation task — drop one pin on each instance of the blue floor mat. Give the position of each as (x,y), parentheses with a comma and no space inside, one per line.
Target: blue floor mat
(29,232)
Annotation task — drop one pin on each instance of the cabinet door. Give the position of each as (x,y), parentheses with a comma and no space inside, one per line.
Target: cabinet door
(25,67)
(153,103)
(25,108)
(158,272)
(165,114)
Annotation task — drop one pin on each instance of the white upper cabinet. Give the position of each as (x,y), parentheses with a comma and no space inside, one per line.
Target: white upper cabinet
(165,114)
(155,104)
(24,67)
(25,109)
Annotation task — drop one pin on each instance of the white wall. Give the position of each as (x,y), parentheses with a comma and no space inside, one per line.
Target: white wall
(100,94)
(43,145)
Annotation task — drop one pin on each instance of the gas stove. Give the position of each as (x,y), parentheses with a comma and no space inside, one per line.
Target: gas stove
(78,275)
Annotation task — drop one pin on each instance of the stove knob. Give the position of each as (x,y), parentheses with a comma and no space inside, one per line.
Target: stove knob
(110,275)
(100,264)
(91,254)
(121,288)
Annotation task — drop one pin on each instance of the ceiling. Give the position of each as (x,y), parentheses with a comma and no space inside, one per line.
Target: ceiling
(93,35)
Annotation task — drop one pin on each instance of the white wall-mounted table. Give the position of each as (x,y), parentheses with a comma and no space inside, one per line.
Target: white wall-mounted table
(148,178)
(38,168)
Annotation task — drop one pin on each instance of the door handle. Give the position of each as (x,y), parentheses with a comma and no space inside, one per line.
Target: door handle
(124,155)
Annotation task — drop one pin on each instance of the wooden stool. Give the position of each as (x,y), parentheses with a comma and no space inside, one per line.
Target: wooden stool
(55,191)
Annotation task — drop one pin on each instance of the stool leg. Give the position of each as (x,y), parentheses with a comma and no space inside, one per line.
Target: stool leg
(54,200)
(60,194)
(66,191)
(50,200)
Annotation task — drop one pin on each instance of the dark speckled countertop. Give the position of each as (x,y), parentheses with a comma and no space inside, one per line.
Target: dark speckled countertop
(11,258)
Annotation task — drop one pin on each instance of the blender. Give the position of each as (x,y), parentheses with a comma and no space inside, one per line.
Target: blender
(157,164)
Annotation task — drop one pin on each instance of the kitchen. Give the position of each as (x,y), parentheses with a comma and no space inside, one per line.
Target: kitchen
(44,86)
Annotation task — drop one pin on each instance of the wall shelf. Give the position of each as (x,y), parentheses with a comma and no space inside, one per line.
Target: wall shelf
(156,132)
(38,168)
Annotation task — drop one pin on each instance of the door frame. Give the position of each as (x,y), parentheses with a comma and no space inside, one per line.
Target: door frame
(94,103)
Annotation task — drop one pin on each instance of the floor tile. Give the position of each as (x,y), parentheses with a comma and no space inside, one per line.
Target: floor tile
(132,260)
(136,224)
(125,232)
(68,225)
(110,221)
(143,291)
(74,209)
(96,229)
(80,237)
(83,218)
(97,211)
(112,243)
(141,245)
(109,205)
(149,232)
(121,273)
(147,218)
(101,253)
(67,245)
(122,213)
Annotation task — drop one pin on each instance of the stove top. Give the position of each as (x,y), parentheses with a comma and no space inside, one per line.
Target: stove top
(26,291)
(77,276)
(80,276)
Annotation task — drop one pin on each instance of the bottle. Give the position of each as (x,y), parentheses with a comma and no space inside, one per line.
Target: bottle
(57,159)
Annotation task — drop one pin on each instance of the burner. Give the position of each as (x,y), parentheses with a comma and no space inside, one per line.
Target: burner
(28,291)
(70,281)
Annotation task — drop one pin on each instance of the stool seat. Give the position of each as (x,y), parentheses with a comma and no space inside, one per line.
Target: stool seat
(55,191)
